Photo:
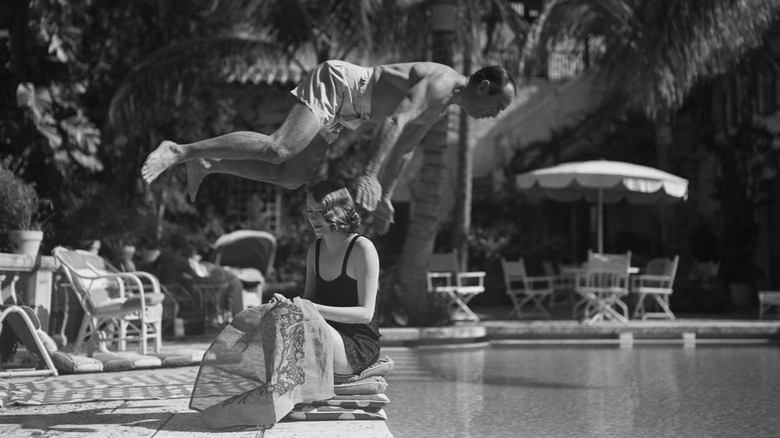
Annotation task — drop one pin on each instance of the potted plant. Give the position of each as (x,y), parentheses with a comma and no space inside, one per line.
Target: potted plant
(20,232)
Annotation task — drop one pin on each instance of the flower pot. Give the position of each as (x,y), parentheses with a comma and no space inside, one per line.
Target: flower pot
(26,242)
(149,255)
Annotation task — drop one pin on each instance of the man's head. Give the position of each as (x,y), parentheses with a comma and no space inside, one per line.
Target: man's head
(489,91)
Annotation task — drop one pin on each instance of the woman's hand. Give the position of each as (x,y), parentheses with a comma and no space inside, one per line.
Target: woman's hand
(277,297)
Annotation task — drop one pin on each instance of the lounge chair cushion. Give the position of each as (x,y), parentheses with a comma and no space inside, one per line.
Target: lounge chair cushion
(72,364)
(322,413)
(180,358)
(47,341)
(369,385)
(126,360)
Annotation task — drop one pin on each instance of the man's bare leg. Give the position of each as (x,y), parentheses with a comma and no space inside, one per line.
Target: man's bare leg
(297,131)
(290,174)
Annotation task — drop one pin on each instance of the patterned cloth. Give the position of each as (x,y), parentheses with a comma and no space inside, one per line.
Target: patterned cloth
(268,359)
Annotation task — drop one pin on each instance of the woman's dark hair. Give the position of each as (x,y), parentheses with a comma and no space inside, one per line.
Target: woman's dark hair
(337,205)
(498,77)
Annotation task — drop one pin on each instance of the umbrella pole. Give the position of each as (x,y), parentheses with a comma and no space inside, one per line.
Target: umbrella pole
(601,221)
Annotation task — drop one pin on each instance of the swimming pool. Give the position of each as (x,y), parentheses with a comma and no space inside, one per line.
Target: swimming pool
(648,391)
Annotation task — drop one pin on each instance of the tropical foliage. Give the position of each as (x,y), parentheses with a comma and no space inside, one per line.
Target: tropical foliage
(90,87)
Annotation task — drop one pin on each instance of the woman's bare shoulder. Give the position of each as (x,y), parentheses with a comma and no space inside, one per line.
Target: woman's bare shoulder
(365,245)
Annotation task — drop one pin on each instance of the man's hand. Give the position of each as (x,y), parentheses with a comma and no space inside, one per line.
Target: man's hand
(382,218)
(368,192)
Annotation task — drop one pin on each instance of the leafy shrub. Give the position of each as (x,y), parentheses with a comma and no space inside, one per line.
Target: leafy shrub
(19,201)
(19,205)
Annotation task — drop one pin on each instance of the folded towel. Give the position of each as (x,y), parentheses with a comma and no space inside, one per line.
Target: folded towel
(369,385)
(383,366)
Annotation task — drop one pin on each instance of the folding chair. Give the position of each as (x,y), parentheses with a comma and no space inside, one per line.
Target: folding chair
(563,282)
(444,277)
(602,284)
(23,326)
(118,306)
(524,289)
(766,300)
(656,282)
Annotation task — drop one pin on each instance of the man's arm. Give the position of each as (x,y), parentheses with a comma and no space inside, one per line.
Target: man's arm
(411,107)
(396,164)
(401,156)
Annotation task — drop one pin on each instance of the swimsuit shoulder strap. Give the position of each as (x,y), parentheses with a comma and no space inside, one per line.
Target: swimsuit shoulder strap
(317,257)
(346,255)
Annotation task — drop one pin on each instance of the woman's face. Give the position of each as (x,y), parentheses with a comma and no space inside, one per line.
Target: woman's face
(314,214)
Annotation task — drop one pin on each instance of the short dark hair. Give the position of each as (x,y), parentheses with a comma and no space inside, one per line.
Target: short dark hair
(337,205)
(498,77)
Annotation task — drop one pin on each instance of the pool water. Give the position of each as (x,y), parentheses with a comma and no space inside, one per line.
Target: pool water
(669,391)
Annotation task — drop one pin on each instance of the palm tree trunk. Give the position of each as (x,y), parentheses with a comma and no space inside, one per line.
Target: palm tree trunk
(421,235)
(663,146)
(463,191)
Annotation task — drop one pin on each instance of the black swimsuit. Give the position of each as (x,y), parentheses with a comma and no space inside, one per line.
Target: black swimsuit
(361,341)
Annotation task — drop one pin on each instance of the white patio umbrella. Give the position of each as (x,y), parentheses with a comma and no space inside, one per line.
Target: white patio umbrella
(602,181)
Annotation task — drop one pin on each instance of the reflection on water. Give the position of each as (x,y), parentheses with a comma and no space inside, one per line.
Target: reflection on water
(582,392)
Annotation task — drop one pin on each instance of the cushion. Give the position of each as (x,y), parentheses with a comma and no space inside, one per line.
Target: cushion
(181,358)
(321,413)
(125,360)
(99,288)
(369,385)
(354,401)
(151,299)
(383,366)
(47,341)
(72,364)
(114,305)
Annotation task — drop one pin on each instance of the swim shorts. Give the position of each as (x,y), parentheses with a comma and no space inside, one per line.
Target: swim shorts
(339,95)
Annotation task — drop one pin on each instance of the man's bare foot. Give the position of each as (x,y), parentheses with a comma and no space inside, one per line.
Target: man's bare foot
(196,171)
(160,159)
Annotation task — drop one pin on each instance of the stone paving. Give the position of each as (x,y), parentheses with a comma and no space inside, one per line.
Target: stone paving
(156,418)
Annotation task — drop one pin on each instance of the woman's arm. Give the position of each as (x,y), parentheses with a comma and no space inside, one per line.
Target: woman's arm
(363,264)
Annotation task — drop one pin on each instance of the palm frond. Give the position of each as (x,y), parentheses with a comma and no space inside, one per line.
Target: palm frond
(159,80)
(656,50)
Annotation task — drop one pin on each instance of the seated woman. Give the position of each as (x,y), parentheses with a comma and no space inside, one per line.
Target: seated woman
(342,277)
(275,355)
